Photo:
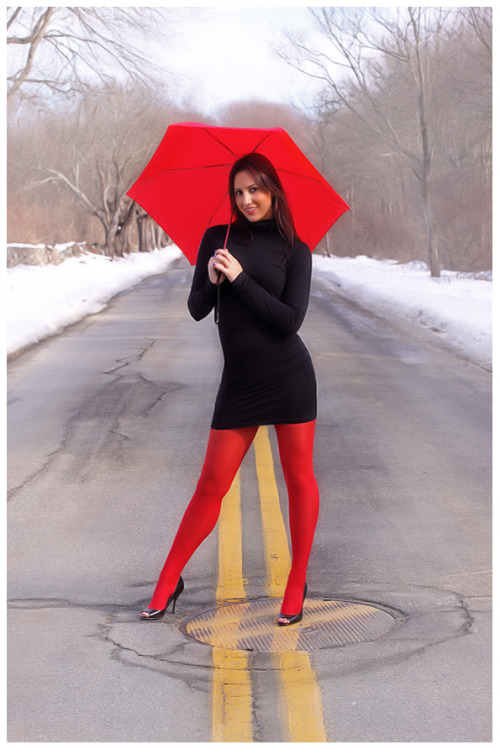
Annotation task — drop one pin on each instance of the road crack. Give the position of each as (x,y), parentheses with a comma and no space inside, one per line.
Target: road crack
(13,491)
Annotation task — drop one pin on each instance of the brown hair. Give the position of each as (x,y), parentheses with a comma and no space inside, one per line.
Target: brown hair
(267,178)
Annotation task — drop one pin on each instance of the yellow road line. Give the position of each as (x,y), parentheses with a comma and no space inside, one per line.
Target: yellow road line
(274,532)
(231,697)
(304,711)
(231,584)
(231,683)
(301,707)
(302,697)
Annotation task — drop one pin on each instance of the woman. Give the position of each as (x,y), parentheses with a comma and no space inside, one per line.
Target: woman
(256,274)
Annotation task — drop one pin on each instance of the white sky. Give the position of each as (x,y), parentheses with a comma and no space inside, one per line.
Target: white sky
(226,54)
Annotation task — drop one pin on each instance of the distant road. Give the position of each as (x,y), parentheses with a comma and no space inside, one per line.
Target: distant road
(107,428)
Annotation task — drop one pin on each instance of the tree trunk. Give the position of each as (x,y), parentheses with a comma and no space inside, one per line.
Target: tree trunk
(140,217)
(432,249)
(426,160)
(110,244)
(123,243)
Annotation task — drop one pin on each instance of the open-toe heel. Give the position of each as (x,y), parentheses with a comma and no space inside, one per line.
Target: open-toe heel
(292,619)
(157,614)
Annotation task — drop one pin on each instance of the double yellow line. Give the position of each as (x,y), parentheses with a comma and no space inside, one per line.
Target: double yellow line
(232,701)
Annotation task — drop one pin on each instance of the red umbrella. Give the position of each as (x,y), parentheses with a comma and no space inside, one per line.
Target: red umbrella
(184,188)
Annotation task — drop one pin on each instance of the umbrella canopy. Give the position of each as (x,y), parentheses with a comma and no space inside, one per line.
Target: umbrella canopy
(184,188)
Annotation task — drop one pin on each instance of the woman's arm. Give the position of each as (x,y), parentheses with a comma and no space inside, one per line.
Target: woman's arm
(286,313)
(203,295)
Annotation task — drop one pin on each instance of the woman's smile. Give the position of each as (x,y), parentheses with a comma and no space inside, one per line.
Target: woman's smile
(253,202)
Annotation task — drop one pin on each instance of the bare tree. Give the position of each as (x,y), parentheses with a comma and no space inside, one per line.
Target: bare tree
(479,20)
(98,151)
(150,235)
(375,50)
(61,50)
(84,150)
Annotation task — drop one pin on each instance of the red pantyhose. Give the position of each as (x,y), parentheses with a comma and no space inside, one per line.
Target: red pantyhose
(225,452)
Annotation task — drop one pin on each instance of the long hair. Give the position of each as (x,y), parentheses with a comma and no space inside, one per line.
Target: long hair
(267,178)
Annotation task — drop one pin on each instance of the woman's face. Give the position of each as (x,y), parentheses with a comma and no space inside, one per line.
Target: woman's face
(254,202)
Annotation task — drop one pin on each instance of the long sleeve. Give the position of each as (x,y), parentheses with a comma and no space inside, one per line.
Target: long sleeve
(287,312)
(203,295)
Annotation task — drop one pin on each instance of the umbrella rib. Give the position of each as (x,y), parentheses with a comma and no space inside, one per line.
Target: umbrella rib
(183,169)
(215,211)
(224,164)
(218,140)
(297,174)
(314,178)
(261,142)
(224,145)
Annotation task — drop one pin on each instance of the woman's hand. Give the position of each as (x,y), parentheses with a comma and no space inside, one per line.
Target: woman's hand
(223,263)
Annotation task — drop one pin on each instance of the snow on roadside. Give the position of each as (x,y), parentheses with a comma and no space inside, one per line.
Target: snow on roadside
(43,300)
(456,308)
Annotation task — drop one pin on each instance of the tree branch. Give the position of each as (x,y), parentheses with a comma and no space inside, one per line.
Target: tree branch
(34,40)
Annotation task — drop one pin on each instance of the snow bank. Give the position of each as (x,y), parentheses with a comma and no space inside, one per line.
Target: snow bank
(456,308)
(42,300)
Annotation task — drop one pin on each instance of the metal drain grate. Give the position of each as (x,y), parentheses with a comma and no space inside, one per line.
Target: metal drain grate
(251,626)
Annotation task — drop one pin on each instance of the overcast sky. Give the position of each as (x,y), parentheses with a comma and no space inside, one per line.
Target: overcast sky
(226,54)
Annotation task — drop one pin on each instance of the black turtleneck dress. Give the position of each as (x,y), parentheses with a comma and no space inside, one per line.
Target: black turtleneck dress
(268,377)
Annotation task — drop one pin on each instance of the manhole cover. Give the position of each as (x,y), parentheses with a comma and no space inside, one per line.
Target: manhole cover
(251,626)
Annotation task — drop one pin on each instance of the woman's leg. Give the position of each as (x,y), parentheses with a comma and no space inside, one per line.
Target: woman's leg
(225,452)
(296,453)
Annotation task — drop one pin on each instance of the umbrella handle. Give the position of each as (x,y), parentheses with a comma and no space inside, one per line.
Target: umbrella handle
(217,306)
(227,235)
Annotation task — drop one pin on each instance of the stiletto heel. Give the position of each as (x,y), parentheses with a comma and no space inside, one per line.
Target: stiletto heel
(157,614)
(292,619)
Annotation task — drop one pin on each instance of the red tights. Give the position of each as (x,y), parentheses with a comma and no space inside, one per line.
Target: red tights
(225,452)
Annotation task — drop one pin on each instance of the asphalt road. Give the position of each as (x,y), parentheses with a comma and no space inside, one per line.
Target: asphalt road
(107,425)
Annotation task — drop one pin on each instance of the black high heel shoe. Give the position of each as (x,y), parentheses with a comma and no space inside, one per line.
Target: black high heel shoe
(157,614)
(292,619)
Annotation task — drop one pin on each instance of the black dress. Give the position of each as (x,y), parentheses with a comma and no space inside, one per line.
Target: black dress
(268,376)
